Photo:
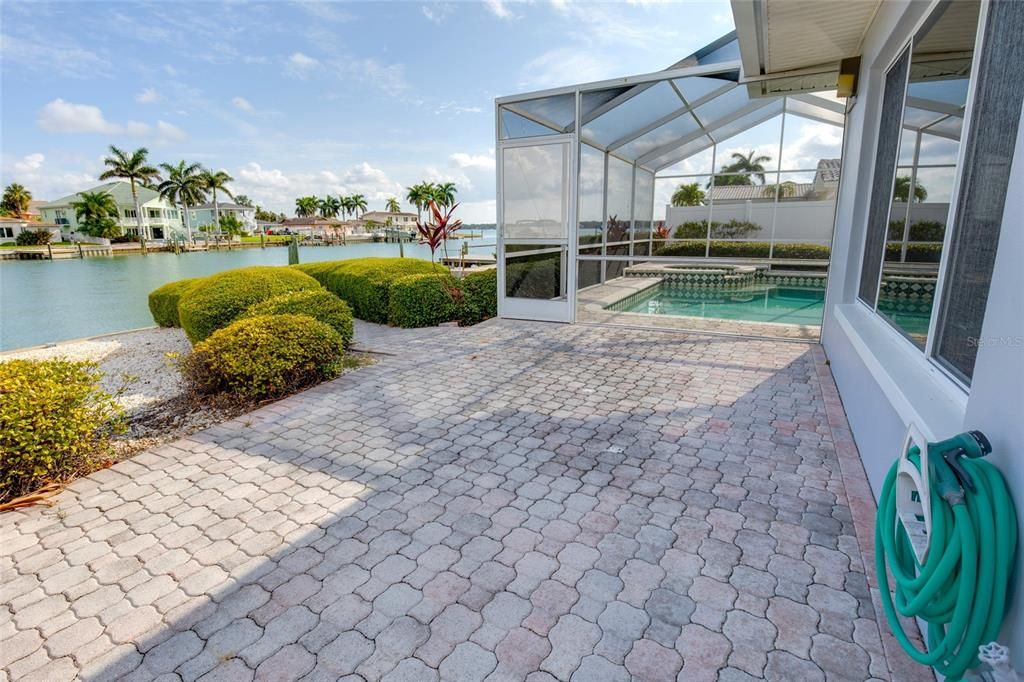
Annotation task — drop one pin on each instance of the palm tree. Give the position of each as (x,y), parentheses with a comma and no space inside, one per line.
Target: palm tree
(785,189)
(358,204)
(329,206)
(96,214)
(184,186)
(17,199)
(688,195)
(420,195)
(134,168)
(213,181)
(901,190)
(752,164)
(393,206)
(444,193)
(306,206)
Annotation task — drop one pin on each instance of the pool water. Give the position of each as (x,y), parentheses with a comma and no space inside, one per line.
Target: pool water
(783,305)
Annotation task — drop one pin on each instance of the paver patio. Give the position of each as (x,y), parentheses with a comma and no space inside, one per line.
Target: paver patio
(511,501)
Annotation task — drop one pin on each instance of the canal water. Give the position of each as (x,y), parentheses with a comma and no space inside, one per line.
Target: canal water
(47,301)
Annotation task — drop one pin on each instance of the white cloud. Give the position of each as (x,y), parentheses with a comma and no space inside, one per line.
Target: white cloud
(550,69)
(498,9)
(46,182)
(481,161)
(242,104)
(48,56)
(437,12)
(277,190)
(60,116)
(300,65)
(147,96)
(254,174)
(167,133)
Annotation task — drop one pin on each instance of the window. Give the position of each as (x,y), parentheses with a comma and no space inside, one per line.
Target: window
(995,119)
(6,232)
(154,213)
(918,179)
(130,213)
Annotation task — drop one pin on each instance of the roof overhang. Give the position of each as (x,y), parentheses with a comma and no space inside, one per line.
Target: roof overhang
(789,46)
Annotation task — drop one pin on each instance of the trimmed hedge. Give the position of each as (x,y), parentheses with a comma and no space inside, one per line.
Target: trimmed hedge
(423,300)
(55,422)
(163,301)
(920,231)
(365,283)
(319,304)
(479,297)
(266,356)
(725,249)
(537,276)
(218,300)
(916,253)
(698,229)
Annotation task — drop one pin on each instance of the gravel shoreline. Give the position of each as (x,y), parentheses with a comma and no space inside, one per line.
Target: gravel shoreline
(138,363)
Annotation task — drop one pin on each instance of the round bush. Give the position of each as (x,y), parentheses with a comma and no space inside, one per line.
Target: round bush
(479,297)
(423,300)
(365,283)
(55,422)
(265,357)
(319,304)
(220,299)
(163,301)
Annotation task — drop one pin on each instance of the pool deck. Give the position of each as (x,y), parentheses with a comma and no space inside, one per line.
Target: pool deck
(568,503)
(592,306)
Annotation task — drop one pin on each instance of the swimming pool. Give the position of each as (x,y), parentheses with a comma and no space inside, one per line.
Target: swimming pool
(767,303)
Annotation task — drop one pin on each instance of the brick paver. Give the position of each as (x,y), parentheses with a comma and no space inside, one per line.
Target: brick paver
(512,501)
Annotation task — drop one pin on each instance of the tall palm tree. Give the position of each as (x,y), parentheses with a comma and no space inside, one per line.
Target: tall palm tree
(329,206)
(213,181)
(444,193)
(133,167)
(184,186)
(358,204)
(96,214)
(306,206)
(420,195)
(393,206)
(688,195)
(17,199)
(901,189)
(752,164)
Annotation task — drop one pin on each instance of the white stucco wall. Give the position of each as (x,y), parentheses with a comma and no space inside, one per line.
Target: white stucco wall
(884,381)
(795,220)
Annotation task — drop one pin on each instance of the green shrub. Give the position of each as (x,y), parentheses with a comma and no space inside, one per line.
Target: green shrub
(725,249)
(219,299)
(163,301)
(698,229)
(479,297)
(319,304)
(365,283)
(55,422)
(33,238)
(423,300)
(265,357)
(916,253)
(537,276)
(920,231)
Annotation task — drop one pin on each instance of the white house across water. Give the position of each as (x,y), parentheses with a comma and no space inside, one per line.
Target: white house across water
(160,219)
(909,272)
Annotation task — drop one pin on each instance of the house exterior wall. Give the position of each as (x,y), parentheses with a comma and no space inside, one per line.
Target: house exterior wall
(10,229)
(205,216)
(168,218)
(795,220)
(885,382)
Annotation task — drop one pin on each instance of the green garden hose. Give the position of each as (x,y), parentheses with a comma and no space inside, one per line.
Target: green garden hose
(960,589)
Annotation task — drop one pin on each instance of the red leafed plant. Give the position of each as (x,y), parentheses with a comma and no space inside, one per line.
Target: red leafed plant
(661,231)
(435,232)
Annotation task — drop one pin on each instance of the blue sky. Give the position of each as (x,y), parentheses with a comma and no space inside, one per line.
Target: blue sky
(309,98)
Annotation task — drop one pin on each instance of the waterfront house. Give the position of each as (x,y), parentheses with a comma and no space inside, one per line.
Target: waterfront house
(397,219)
(914,278)
(204,214)
(10,228)
(160,219)
(311,226)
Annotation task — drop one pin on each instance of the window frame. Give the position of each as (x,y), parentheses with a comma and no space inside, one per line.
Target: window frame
(923,25)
